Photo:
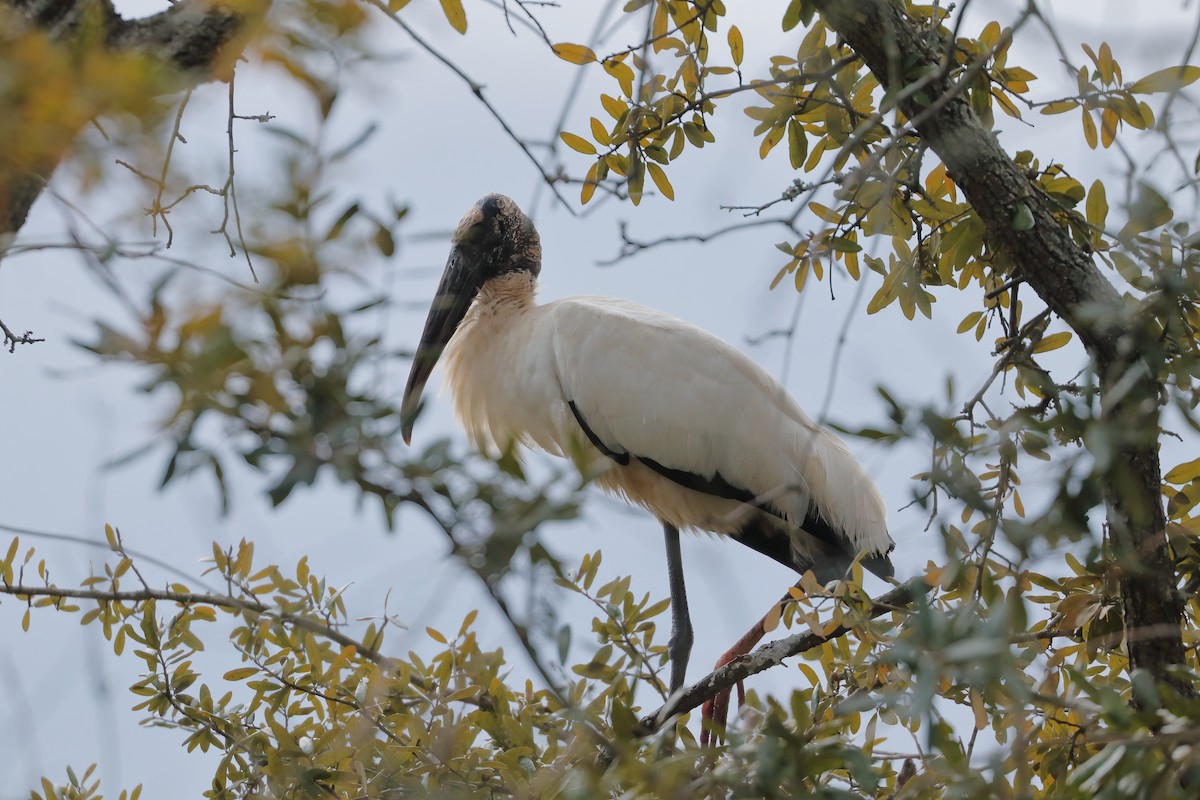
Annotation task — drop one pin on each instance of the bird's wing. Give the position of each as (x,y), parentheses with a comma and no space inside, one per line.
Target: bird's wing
(647,384)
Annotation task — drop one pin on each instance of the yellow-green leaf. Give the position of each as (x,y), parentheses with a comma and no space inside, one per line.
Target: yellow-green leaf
(435,635)
(969,321)
(599,132)
(1108,127)
(797,144)
(396,5)
(636,180)
(659,176)
(736,48)
(455,15)
(1089,129)
(241,673)
(1059,106)
(1166,80)
(622,73)
(578,143)
(1022,218)
(1052,342)
(575,53)
(615,108)
(784,270)
(769,141)
(825,213)
(1097,205)
(1184,473)
(589,185)
(1106,64)
(1149,211)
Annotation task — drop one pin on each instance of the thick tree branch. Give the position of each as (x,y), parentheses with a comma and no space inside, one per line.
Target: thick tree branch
(191,40)
(190,37)
(767,656)
(899,51)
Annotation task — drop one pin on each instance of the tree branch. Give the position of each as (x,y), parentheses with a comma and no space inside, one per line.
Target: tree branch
(477,90)
(200,598)
(899,51)
(190,38)
(767,656)
(12,339)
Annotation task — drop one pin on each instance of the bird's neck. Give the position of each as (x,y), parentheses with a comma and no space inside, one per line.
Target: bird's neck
(510,291)
(486,360)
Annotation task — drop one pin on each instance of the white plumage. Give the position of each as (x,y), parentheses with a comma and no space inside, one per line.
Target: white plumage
(657,387)
(688,427)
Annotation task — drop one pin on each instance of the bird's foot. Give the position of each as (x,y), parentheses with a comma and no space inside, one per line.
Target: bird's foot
(715,711)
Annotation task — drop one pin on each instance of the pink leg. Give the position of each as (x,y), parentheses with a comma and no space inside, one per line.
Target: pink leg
(715,711)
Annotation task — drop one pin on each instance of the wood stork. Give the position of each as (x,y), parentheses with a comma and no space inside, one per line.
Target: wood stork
(690,428)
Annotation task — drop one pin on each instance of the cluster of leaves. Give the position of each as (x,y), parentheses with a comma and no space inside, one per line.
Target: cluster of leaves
(655,119)
(288,374)
(291,376)
(882,184)
(319,704)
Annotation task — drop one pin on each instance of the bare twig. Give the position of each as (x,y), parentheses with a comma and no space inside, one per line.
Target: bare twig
(477,90)
(230,193)
(12,339)
(630,246)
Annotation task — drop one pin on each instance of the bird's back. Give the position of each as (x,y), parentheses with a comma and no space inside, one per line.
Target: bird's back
(662,389)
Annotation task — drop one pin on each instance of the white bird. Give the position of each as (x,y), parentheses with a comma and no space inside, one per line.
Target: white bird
(690,428)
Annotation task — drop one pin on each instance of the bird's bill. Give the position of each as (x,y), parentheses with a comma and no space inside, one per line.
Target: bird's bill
(460,283)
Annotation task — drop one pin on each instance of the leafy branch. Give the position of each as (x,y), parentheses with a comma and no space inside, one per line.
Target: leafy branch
(186,599)
(772,655)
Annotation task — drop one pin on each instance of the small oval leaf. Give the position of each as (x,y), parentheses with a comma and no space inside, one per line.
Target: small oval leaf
(578,143)
(1052,342)
(575,53)
(1022,218)
(1166,80)
(455,15)
(736,47)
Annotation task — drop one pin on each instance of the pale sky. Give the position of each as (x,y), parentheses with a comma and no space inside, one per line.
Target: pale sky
(65,700)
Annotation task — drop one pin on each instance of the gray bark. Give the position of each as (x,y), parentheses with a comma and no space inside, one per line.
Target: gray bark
(897,51)
(189,39)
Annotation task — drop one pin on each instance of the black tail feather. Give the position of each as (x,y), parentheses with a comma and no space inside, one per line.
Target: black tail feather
(831,554)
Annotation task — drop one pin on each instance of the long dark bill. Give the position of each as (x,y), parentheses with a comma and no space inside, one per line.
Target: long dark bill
(460,284)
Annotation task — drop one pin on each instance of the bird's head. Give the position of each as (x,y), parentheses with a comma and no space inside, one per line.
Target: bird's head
(494,238)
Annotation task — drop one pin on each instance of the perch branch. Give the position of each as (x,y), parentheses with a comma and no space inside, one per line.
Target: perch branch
(770,655)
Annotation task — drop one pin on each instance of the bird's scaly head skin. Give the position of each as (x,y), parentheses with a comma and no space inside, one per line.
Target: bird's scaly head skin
(498,238)
(494,238)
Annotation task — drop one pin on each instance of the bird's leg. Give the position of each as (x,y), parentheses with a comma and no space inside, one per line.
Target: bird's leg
(679,646)
(715,710)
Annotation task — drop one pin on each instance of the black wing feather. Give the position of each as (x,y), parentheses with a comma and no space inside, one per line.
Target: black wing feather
(620,458)
(835,551)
